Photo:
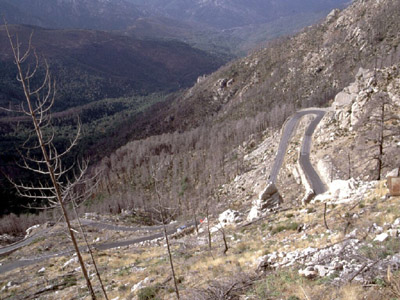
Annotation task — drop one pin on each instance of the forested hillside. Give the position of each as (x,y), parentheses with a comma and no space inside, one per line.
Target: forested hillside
(93,65)
(234,105)
(90,68)
(199,137)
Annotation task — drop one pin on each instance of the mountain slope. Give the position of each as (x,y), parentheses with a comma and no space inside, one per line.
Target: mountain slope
(93,65)
(231,108)
(304,70)
(89,66)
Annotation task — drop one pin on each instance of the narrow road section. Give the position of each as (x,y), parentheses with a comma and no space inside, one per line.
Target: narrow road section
(171,228)
(287,132)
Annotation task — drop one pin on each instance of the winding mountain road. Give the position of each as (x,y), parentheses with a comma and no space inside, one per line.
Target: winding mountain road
(22,243)
(287,132)
(304,159)
(102,226)
(9,266)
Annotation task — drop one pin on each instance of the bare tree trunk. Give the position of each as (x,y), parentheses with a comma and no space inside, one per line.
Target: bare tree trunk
(380,140)
(91,253)
(222,230)
(161,207)
(170,261)
(325,223)
(23,78)
(208,227)
(195,219)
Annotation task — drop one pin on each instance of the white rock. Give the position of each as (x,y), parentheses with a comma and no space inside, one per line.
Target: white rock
(321,198)
(322,270)
(253,214)
(353,233)
(229,217)
(381,237)
(332,15)
(342,99)
(140,284)
(31,229)
(308,272)
(340,189)
(396,222)
(268,191)
(376,228)
(215,228)
(72,260)
(42,270)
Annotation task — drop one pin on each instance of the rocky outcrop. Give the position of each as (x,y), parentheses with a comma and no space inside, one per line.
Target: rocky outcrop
(343,191)
(227,218)
(349,103)
(348,137)
(345,261)
(268,199)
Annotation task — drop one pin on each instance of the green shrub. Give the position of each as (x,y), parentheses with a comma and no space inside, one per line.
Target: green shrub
(282,227)
(148,293)
(381,250)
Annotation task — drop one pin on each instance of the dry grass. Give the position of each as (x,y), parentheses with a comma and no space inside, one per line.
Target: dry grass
(197,268)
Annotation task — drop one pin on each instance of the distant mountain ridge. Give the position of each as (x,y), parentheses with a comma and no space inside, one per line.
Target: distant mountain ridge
(83,14)
(224,26)
(228,14)
(119,14)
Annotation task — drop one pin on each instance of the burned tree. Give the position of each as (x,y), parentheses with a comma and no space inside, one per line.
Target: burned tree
(162,210)
(59,184)
(379,124)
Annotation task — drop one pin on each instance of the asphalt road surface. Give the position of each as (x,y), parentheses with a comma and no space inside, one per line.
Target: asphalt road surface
(9,266)
(304,160)
(15,246)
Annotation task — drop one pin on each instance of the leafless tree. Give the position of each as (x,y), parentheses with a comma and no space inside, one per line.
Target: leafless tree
(163,215)
(221,229)
(380,123)
(59,184)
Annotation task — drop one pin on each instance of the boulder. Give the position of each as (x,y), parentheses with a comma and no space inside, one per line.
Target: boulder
(270,190)
(140,285)
(31,230)
(310,194)
(322,270)
(308,272)
(342,189)
(381,237)
(332,15)
(254,213)
(342,99)
(229,217)
(268,199)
